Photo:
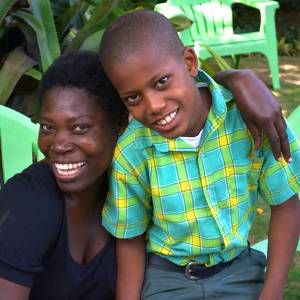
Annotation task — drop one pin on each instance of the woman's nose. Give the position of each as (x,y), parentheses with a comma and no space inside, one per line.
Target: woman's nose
(62,142)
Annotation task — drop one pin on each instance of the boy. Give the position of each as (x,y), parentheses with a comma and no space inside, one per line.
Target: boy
(186,173)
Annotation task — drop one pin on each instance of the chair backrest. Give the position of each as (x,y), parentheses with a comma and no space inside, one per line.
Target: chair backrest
(211,19)
(18,142)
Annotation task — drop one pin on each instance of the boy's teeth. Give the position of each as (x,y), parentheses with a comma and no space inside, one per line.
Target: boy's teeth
(167,119)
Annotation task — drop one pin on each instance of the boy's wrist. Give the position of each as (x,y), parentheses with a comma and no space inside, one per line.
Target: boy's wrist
(271,293)
(273,288)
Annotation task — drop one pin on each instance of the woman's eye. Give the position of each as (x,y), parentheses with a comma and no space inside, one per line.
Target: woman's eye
(80,128)
(161,82)
(133,99)
(46,128)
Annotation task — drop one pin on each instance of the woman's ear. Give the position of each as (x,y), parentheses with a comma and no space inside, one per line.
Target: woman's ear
(191,61)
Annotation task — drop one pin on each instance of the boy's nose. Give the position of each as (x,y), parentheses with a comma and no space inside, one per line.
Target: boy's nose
(155,103)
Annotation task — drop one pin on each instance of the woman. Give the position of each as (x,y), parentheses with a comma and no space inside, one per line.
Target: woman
(52,243)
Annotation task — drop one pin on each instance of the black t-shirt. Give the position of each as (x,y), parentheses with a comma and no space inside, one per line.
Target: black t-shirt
(34,249)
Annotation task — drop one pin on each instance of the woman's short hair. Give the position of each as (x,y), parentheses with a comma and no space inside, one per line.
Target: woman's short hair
(82,69)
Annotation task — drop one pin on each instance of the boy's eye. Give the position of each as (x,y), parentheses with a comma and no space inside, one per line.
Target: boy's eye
(80,128)
(46,128)
(133,99)
(161,82)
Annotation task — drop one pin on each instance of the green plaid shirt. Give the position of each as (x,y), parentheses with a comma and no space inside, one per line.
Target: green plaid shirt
(196,203)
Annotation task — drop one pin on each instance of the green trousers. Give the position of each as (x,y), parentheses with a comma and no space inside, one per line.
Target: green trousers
(242,280)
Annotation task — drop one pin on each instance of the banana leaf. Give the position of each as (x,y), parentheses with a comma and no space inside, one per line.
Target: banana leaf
(64,20)
(32,48)
(43,12)
(45,53)
(4,7)
(34,73)
(12,70)
(93,41)
(100,13)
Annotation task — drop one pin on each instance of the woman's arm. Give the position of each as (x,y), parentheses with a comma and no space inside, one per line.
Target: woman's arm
(13,291)
(130,268)
(283,236)
(259,109)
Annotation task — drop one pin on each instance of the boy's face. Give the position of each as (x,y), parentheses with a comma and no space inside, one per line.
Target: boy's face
(159,91)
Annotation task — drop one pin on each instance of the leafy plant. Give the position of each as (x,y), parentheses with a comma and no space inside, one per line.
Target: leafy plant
(34,33)
(289,43)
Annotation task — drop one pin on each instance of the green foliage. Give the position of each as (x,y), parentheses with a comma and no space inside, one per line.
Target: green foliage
(289,43)
(15,65)
(34,33)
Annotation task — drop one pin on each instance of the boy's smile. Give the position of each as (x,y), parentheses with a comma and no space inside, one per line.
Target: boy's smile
(160,91)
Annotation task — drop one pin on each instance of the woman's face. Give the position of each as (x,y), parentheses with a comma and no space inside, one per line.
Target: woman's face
(77,138)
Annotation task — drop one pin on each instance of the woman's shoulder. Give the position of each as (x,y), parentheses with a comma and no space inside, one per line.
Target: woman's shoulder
(35,175)
(33,198)
(36,184)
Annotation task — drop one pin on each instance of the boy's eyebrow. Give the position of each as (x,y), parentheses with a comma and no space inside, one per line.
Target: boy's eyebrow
(149,81)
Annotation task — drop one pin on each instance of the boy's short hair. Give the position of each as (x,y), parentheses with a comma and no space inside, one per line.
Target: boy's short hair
(135,32)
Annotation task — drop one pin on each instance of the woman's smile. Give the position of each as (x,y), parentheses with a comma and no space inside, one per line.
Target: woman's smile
(68,171)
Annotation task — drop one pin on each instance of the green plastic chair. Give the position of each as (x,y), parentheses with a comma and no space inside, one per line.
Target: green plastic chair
(294,121)
(18,142)
(212,26)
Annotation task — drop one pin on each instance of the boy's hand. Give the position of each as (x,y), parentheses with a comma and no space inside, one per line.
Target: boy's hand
(259,109)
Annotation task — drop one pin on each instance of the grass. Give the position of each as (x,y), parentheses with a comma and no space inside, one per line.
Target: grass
(289,98)
(258,233)
(288,94)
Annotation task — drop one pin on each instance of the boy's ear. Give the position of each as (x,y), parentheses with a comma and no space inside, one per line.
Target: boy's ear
(191,61)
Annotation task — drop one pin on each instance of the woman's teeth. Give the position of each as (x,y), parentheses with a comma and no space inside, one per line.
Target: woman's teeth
(166,120)
(68,169)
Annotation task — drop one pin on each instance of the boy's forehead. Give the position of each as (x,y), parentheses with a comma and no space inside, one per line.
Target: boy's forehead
(140,71)
(143,59)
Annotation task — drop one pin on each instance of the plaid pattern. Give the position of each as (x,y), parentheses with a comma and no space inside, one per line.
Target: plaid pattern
(196,203)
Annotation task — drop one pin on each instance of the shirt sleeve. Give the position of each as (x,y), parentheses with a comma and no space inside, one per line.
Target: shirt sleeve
(127,210)
(30,220)
(279,180)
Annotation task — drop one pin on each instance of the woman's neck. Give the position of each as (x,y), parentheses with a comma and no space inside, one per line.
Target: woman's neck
(87,201)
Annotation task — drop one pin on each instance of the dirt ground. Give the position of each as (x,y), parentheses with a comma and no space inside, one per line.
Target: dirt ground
(289,68)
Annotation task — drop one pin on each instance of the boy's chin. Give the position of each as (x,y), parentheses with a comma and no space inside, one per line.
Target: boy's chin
(169,135)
